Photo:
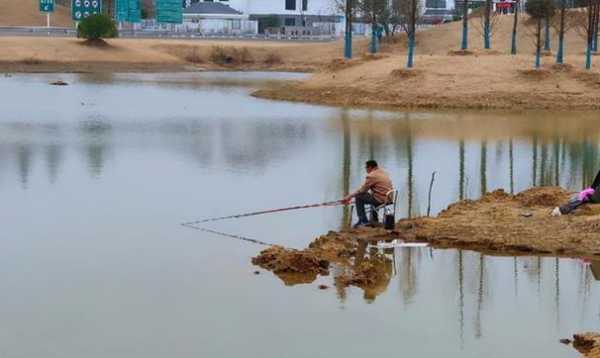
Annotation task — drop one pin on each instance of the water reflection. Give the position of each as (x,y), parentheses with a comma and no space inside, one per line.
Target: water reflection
(409,148)
(107,181)
(479,280)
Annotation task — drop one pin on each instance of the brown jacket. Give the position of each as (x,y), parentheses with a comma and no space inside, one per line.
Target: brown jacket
(379,183)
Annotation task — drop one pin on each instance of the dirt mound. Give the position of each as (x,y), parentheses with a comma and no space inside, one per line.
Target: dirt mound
(502,223)
(368,273)
(405,73)
(543,196)
(460,53)
(535,74)
(280,260)
(587,344)
(346,250)
(562,67)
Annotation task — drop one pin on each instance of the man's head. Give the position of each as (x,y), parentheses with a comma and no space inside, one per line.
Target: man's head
(370,165)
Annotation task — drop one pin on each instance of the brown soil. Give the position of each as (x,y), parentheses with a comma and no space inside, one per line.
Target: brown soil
(347,251)
(498,223)
(100,43)
(446,78)
(54,54)
(477,78)
(504,223)
(588,344)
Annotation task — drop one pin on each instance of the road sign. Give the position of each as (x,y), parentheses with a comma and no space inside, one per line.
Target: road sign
(80,9)
(128,10)
(169,11)
(47,5)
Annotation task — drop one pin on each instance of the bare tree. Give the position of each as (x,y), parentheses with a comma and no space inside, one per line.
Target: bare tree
(539,10)
(586,24)
(407,14)
(516,10)
(488,21)
(563,23)
(374,11)
(464,45)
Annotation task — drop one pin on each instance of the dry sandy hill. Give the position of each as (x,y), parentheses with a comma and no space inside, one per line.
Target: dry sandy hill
(26,13)
(441,39)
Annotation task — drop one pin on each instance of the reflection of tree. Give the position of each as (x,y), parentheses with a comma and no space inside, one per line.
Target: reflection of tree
(556,146)
(511,165)
(483,167)
(478,327)
(346,162)
(557,289)
(410,179)
(24,157)
(461,169)
(516,276)
(534,160)
(96,133)
(408,275)
(461,297)
(54,158)
(544,175)
(254,145)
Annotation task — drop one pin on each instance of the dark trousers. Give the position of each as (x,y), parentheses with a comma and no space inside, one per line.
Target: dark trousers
(362,200)
(574,204)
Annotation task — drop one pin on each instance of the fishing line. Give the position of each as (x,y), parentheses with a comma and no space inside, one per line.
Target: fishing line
(231,236)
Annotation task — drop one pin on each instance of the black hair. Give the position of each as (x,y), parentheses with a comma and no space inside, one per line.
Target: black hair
(371,164)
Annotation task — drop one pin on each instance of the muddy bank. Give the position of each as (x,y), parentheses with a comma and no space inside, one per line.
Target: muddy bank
(346,256)
(498,224)
(507,224)
(55,54)
(588,344)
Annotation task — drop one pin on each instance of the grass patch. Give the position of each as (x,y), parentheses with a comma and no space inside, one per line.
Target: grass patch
(31,61)
(193,56)
(221,55)
(273,58)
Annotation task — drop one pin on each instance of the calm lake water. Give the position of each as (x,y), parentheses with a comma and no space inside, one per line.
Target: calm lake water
(95,178)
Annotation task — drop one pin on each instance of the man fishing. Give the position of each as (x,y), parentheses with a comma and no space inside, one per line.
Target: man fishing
(374,192)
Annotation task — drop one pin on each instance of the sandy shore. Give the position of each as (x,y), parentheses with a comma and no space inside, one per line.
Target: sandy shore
(43,54)
(445,82)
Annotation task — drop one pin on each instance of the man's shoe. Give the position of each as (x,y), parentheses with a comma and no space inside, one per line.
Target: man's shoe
(360,224)
(556,212)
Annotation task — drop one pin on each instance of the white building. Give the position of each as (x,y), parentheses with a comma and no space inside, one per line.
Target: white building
(217,18)
(437,11)
(321,15)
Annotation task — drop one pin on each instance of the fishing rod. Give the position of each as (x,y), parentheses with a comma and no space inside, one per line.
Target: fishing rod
(255,213)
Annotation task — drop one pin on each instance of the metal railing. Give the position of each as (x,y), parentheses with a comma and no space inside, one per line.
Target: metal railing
(151,33)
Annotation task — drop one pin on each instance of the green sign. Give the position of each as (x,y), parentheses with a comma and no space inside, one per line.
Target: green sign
(47,5)
(128,10)
(169,11)
(80,9)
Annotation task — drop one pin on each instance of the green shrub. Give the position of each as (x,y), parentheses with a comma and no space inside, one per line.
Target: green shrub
(96,27)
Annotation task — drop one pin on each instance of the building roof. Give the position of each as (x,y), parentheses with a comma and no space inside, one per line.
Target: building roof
(439,12)
(210,8)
